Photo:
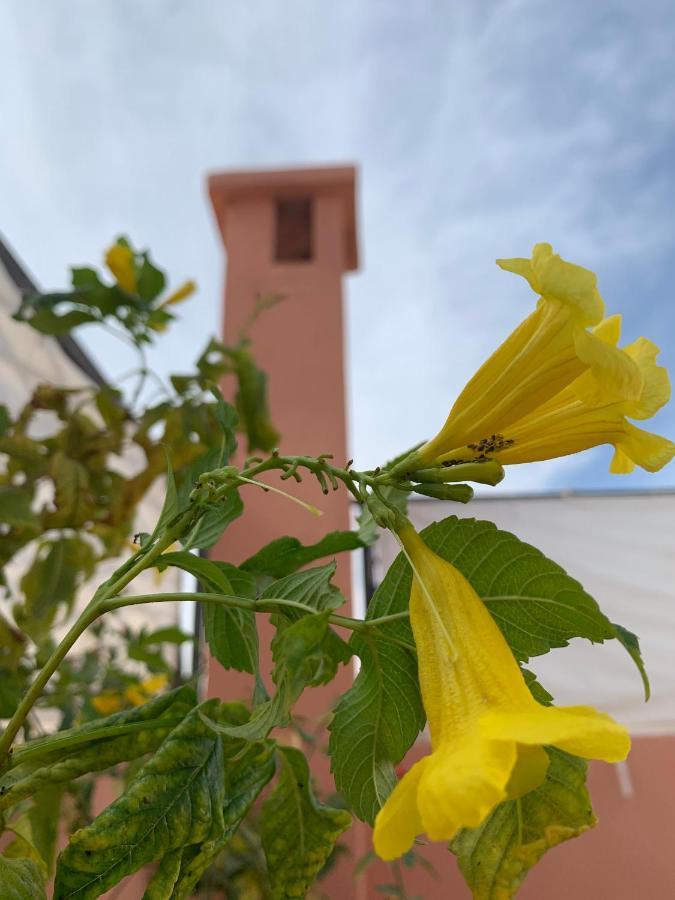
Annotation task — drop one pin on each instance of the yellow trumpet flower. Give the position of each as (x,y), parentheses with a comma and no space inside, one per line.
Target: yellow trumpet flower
(120,260)
(487,730)
(552,349)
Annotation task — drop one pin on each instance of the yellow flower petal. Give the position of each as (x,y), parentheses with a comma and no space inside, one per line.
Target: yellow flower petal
(462,784)
(107,703)
(120,260)
(555,279)
(638,447)
(656,383)
(533,364)
(529,771)
(580,730)
(399,822)
(185,290)
(613,376)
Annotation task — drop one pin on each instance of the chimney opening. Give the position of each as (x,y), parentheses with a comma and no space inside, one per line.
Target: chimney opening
(293,229)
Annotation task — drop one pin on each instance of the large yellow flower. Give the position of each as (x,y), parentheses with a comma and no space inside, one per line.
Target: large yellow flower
(552,349)
(487,731)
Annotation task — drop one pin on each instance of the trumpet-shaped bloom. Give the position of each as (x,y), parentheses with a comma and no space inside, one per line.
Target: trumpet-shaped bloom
(120,260)
(487,730)
(553,348)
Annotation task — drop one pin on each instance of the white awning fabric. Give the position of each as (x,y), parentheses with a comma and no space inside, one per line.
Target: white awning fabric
(621,547)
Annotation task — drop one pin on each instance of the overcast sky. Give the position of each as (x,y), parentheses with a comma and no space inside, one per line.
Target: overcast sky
(479,128)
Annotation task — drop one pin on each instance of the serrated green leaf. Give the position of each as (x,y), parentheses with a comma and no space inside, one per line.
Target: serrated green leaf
(53,760)
(496,857)
(20,879)
(231,633)
(298,650)
(176,799)
(311,587)
(286,555)
(536,604)
(632,645)
(540,694)
(378,718)
(298,833)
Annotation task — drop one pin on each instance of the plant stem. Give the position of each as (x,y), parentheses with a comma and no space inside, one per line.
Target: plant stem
(267,605)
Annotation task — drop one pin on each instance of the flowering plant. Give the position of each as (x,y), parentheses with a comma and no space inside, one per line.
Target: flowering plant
(504,778)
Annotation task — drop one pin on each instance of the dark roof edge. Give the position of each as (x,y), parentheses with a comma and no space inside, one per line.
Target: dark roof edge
(69,345)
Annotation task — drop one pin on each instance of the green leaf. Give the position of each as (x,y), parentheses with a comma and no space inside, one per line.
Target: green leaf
(213,523)
(72,496)
(15,507)
(298,833)
(161,885)
(378,718)
(631,643)
(286,555)
(227,418)
(540,694)
(170,505)
(176,799)
(311,587)
(251,401)
(300,660)
(496,857)
(20,879)
(151,280)
(231,633)
(68,754)
(246,774)
(536,604)
(52,580)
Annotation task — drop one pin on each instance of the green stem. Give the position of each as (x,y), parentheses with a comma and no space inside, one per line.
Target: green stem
(266,605)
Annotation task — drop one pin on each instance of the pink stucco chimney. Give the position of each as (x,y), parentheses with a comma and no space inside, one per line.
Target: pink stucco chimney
(293,233)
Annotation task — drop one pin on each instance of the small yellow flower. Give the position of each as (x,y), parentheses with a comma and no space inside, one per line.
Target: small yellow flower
(552,349)
(107,703)
(487,731)
(138,694)
(120,260)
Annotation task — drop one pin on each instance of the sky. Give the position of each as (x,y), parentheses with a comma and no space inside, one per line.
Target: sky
(479,128)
